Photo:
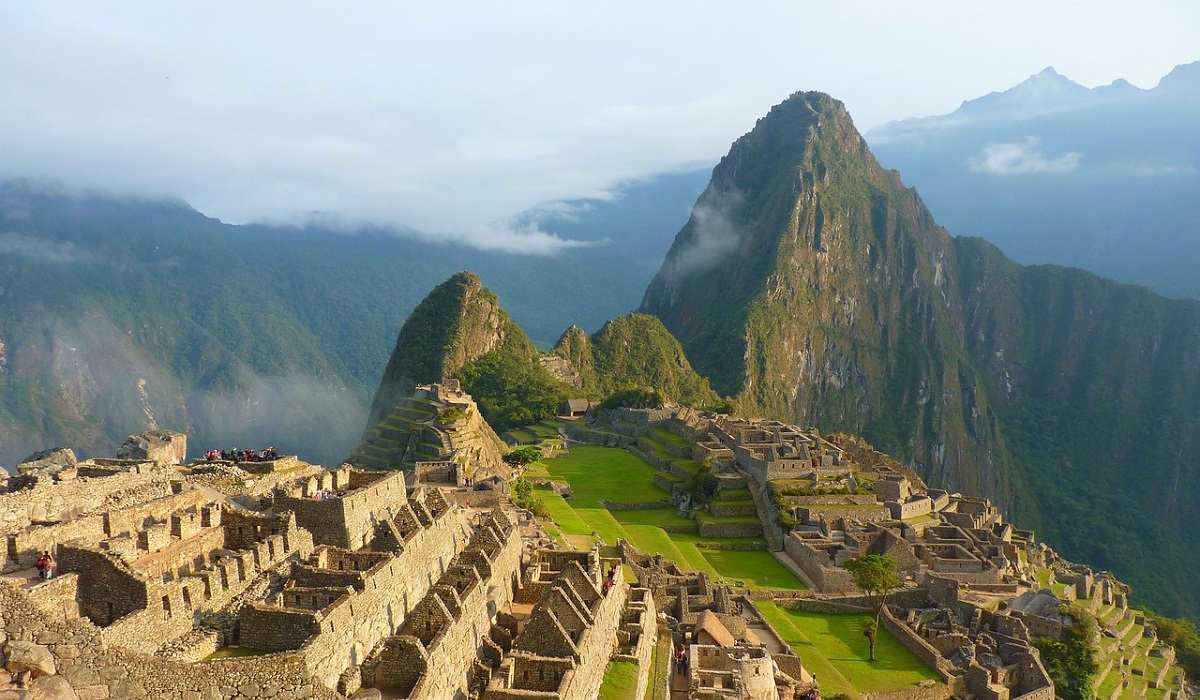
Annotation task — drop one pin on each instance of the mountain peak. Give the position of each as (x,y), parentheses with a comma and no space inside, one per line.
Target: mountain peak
(458,321)
(1184,77)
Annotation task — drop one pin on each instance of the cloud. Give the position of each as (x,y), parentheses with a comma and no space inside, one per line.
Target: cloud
(420,116)
(713,234)
(43,250)
(1022,158)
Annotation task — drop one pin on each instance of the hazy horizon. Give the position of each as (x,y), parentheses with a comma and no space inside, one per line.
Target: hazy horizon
(453,123)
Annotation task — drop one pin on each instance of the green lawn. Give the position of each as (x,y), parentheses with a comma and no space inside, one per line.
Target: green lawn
(835,649)
(759,569)
(605,473)
(598,474)
(620,681)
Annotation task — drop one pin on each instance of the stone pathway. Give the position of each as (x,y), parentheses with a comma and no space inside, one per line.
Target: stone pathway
(24,578)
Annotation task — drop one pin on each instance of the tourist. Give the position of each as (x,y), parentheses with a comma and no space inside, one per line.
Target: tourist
(45,566)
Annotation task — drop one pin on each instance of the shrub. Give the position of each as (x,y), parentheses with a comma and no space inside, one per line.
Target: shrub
(452,415)
(1071,661)
(523,455)
(635,397)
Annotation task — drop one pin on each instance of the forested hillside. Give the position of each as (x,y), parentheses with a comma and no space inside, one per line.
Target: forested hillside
(118,313)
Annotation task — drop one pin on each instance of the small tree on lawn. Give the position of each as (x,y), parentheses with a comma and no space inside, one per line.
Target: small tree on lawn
(523,455)
(876,575)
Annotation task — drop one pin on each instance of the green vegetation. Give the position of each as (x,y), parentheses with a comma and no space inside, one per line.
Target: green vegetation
(1182,635)
(835,648)
(1071,661)
(634,350)
(635,397)
(511,388)
(523,455)
(603,475)
(620,681)
(876,575)
(523,497)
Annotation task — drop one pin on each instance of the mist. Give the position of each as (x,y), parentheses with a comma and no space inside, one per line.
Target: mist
(445,123)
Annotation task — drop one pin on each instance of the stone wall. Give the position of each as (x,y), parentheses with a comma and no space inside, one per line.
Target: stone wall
(71,500)
(371,610)
(79,659)
(640,620)
(433,656)
(827,579)
(349,520)
(147,602)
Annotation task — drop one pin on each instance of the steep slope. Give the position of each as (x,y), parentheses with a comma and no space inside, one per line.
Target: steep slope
(810,283)
(457,323)
(814,286)
(631,350)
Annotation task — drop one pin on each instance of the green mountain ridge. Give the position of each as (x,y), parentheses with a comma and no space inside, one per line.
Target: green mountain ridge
(814,287)
(461,331)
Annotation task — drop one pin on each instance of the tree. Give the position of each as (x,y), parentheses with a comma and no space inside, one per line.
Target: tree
(1071,659)
(876,575)
(523,455)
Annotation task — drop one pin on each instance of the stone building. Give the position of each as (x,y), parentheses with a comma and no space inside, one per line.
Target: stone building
(562,646)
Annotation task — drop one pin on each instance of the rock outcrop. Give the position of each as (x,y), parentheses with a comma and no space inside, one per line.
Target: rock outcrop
(52,459)
(163,447)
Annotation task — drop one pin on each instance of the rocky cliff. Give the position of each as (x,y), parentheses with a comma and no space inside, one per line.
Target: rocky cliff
(815,287)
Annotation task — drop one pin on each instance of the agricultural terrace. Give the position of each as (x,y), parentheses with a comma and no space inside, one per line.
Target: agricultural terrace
(836,650)
(603,479)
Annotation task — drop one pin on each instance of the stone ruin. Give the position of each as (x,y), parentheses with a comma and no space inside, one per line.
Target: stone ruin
(286,580)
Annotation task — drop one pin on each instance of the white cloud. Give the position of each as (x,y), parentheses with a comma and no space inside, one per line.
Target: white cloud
(1022,158)
(714,234)
(449,119)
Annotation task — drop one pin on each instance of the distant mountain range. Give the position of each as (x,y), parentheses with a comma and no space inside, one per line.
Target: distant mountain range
(1053,172)
(117,313)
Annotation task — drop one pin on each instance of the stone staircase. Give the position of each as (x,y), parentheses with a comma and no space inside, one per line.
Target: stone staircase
(403,436)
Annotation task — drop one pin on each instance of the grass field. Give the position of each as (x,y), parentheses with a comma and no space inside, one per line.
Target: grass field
(620,681)
(836,650)
(606,474)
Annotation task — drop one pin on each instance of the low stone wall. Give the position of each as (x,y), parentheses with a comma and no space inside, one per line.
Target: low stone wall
(582,433)
(726,509)
(827,607)
(751,528)
(58,598)
(920,648)
(647,505)
(938,691)
(755,546)
(92,670)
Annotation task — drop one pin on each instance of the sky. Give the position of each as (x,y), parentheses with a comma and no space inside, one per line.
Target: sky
(451,118)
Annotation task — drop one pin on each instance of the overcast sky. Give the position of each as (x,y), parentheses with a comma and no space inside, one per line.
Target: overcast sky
(452,118)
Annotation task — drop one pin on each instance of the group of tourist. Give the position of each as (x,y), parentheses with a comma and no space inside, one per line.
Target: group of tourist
(45,566)
(242,455)
(327,495)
